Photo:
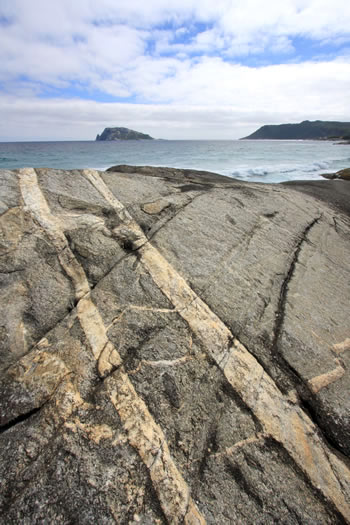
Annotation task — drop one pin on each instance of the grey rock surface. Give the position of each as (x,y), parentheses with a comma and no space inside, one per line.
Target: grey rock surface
(174,348)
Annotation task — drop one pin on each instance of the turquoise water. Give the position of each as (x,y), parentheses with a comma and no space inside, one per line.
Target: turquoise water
(262,161)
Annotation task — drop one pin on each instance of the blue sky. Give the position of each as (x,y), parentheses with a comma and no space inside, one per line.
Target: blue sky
(215,69)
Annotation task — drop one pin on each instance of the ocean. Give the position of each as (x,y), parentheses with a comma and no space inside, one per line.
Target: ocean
(249,160)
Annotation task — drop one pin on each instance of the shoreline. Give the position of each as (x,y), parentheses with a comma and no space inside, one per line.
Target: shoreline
(257,161)
(335,192)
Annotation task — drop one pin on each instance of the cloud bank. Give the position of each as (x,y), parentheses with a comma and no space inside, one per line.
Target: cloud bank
(215,69)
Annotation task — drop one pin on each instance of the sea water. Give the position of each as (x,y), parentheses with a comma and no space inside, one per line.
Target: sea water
(250,160)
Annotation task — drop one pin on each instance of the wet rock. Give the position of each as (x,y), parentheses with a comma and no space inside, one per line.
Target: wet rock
(342,174)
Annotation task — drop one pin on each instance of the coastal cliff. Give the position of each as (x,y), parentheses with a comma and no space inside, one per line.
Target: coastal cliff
(306,130)
(175,349)
(122,134)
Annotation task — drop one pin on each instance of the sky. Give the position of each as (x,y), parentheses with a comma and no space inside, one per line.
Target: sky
(194,69)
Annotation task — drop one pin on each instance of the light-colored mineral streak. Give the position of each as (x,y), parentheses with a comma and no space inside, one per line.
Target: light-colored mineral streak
(317,383)
(339,348)
(142,431)
(281,419)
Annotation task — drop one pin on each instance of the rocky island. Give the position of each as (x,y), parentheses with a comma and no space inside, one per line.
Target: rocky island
(122,134)
(175,348)
(307,130)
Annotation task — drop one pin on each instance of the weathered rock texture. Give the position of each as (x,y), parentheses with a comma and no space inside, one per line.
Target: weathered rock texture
(175,348)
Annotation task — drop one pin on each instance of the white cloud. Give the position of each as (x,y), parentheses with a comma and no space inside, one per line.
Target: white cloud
(212,81)
(213,99)
(185,60)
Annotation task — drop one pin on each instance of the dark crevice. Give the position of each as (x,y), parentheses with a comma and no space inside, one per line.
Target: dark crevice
(241,204)
(108,374)
(230,219)
(270,215)
(20,419)
(145,227)
(230,343)
(281,308)
(307,406)
(72,305)
(228,390)
(252,461)
(171,390)
(283,364)
(27,415)
(110,270)
(195,186)
(29,319)
(132,358)
(287,459)
(18,207)
(335,224)
(309,411)
(8,272)
(154,230)
(284,374)
(128,245)
(210,447)
(293,512)
(266,301)
(151,501)
(236,472)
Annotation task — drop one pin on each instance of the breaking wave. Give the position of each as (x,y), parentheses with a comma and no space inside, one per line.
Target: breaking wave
(284,172)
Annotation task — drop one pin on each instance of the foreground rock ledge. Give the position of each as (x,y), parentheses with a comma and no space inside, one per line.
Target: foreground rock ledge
(174,349)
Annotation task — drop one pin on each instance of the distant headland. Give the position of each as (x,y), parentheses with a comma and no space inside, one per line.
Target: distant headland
(307,130)
(122,134)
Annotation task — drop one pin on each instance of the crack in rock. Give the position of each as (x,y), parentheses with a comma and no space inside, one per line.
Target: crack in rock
(20,419)
(143,433)
(281,308)
(287,424)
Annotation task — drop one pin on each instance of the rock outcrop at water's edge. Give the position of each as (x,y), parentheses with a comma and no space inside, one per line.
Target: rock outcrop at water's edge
(175,348)
(122,134)
(341,174)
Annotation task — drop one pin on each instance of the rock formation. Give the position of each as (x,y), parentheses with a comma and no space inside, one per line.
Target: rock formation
(341,174)
(175,348)
(122,134)
(307,130)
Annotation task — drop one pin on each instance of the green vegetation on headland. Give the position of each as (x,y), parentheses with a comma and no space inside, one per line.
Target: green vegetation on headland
(122,134)
(307,130)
